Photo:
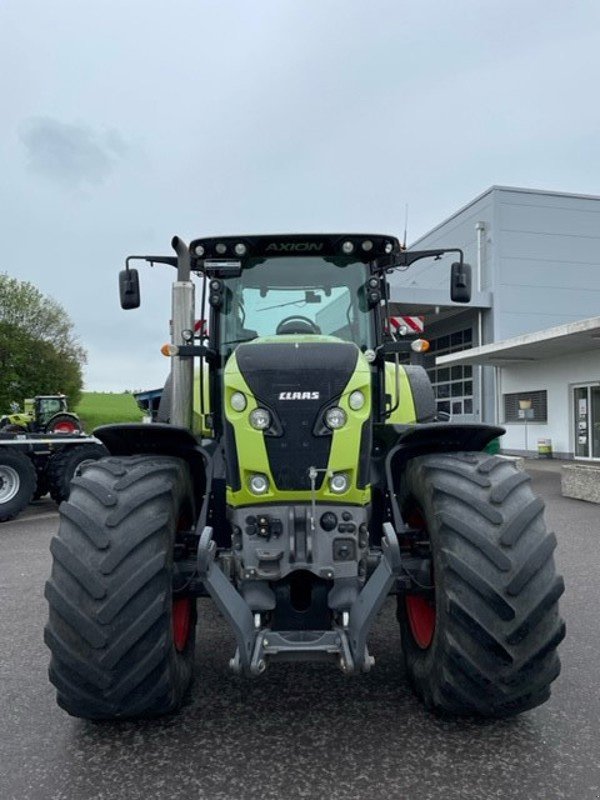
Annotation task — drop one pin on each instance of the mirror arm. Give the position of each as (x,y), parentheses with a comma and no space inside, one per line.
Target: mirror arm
(170,260)
(409,257)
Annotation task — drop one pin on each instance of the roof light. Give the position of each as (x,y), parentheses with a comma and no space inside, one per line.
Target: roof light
(240,249)
(221,248)
(348,247)
(199,250)
(367,245)
(388,247)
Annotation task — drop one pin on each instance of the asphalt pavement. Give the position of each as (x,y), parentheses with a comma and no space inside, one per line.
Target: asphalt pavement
(299,731)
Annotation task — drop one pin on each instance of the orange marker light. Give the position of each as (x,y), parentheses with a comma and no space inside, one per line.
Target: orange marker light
(420,345)
(169,350)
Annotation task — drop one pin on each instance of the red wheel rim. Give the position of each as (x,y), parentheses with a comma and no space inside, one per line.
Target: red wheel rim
(420,610)
(421,618)
(65,427)
(182,622)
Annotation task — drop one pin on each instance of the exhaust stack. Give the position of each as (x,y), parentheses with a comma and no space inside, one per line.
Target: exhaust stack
(182,369)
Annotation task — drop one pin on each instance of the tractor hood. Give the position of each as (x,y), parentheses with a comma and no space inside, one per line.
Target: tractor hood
(297,379)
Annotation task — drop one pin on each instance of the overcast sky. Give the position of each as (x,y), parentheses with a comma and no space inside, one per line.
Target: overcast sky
(127,121)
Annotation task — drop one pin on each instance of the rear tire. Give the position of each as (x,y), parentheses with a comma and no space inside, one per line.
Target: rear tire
(486,645)
(121,646)
(18,481)
(63,423)
(67,463)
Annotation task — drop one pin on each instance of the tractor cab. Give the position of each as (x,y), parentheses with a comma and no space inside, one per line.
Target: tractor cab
(44,407)
(306,286)
(310,291)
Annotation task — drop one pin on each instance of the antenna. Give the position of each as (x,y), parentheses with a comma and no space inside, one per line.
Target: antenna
(405,225)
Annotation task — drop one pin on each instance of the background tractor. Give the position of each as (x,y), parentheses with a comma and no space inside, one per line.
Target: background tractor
(47,413)
(299,478)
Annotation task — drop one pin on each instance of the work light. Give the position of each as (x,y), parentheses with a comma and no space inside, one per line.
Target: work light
(339,482)
(259,484)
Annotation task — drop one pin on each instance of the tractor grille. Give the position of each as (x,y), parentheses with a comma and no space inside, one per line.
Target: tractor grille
(274,372)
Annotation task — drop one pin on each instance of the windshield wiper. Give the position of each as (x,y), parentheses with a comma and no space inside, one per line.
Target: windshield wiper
(299,303)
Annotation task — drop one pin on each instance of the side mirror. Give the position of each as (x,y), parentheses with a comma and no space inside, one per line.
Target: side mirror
(129,288)
(460,282)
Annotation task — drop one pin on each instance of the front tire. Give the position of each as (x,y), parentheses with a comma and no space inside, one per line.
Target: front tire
(485,644)
(18,482)
(121,645)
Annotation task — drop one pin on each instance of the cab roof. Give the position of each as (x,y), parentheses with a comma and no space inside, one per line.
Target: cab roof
(361,246)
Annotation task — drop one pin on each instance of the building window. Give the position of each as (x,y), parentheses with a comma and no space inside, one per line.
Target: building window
(453,386)
(526,406)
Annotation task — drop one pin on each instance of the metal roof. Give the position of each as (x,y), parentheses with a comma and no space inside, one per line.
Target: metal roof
(496,188)
(573,337)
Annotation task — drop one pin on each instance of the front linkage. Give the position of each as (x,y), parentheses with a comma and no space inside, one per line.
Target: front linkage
(348,641)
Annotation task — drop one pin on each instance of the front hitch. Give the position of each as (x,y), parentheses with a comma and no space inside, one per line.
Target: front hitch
(256,645)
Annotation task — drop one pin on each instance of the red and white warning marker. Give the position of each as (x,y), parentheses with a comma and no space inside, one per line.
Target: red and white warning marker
(409,324)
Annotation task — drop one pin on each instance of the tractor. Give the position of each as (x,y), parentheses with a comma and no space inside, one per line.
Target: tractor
(300,477)
(46,413)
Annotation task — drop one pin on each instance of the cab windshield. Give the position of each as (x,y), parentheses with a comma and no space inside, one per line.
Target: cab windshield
(299,295)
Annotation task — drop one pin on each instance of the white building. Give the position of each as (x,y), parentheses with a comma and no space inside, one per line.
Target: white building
(548,387)
(536,260)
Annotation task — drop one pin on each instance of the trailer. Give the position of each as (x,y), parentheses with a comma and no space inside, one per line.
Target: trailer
(35,464)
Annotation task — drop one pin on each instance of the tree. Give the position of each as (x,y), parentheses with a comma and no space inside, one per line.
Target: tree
(39,352)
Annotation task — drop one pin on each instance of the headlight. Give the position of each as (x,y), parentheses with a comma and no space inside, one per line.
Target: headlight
(259,484)
(238,401)
(335,418)
(356,400)
(260,419)
(339,482)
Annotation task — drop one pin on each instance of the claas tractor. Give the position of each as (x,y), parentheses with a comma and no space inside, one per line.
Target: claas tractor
(46,413)
(299,478)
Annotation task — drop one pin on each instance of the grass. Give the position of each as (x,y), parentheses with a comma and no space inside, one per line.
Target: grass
(102,408)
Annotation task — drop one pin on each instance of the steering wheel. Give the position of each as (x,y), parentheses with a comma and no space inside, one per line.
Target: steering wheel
(296,323)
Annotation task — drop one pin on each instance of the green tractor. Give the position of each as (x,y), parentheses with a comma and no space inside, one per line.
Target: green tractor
(300,476)
(47,413)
